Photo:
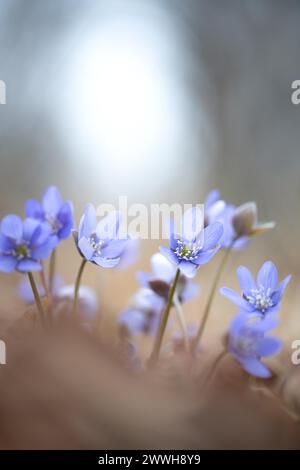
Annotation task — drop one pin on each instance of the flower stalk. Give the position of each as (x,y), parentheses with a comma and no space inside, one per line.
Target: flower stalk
(158,340)
(36,297)
(182,322)
(52,265)
(211,297)
(43,281)
(77,285)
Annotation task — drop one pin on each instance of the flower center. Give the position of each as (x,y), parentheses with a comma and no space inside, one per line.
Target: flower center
(187,251)
(21,251)
(96,244)
(246,345)
(54,223)
(260,298)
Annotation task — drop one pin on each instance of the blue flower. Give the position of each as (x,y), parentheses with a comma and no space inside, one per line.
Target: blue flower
(248,343)
(23,244)
(130,253)
(213,197)
(262,296)
(217,210)
(162,276)
(196,246)
(143,314)
(100,243)
(54,211)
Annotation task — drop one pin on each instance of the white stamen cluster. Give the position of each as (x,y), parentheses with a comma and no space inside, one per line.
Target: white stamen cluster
(187,251)
(96,244)
(260,298)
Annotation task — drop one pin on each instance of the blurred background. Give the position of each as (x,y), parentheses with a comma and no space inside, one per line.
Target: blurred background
(158,100)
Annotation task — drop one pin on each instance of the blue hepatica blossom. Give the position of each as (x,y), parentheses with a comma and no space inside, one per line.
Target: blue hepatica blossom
(54,211)
(217,210)
(143,314)
(100,242)
(248,343)
(162,276)
(23,244)
(130,253)
(194,246)
(262,296)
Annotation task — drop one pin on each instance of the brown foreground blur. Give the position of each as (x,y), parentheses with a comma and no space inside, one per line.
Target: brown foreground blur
(62,388)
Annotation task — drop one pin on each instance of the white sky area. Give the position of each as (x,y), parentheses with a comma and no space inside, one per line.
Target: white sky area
(125,113)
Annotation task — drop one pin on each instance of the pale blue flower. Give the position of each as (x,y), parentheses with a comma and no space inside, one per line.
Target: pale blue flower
(100,242)
(54,211)
(23,244)
(248,342)
(194,246)
(262,295)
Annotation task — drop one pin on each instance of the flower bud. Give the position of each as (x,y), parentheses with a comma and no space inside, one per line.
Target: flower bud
(245,219)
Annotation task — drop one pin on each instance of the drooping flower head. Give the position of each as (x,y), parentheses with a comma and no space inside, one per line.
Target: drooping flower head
(54,211)
(100,242)
(262,296)
(248,343)
(23,244)
(245,221)
(162,276)
(143,314)
(194,246)
(239,223)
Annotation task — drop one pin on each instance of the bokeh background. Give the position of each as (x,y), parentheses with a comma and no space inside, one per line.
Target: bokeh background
(160,101)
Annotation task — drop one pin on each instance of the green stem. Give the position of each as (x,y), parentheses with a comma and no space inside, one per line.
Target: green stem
(164,320)
(211,297)
(52,270)
(77,285)
(36,297)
